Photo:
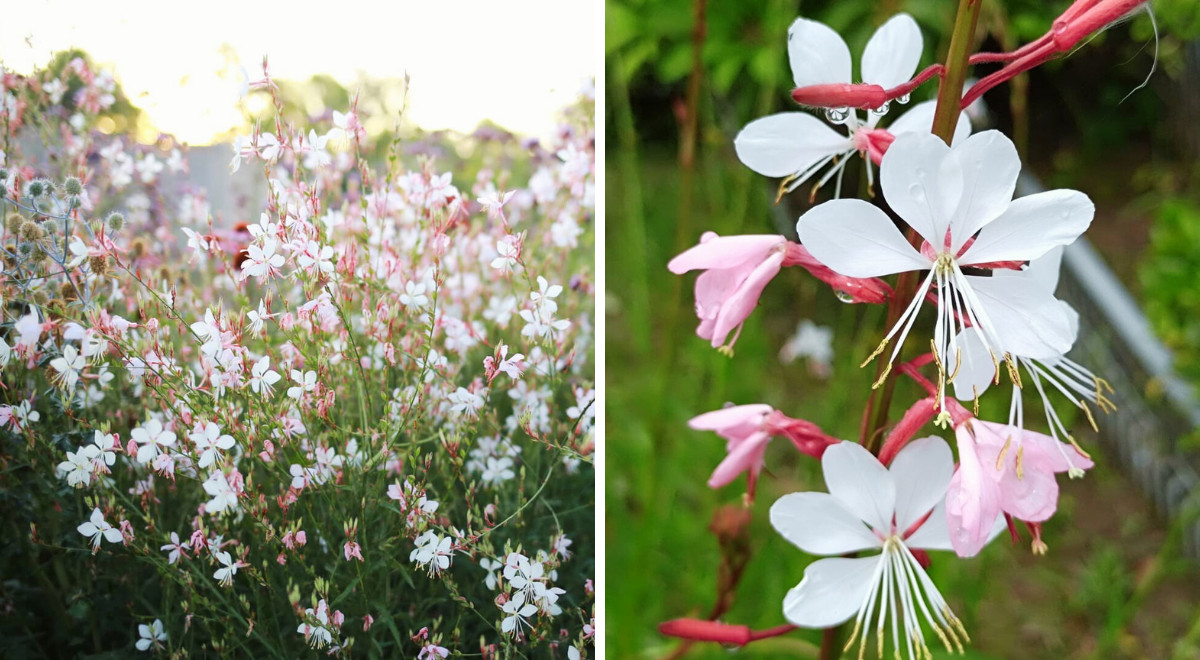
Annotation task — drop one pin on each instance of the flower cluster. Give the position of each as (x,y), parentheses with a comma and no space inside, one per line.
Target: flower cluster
(244,407)
(988,264)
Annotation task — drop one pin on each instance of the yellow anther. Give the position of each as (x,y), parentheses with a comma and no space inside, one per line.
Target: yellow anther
(1003,451)
(975,391)
(1020,459)
(1013,374)
(882,377)
(1078,448)
(1088,413)
(957,364)
(1039,547)
(853,635)
(872,356)
(727,351)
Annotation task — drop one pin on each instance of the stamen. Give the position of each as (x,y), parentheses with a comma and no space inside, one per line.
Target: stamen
(1020,462)
(875,354)
(1003,451)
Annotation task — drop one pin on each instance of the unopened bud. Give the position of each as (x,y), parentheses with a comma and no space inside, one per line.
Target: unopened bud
(37,188)
(115,221)
(841,95)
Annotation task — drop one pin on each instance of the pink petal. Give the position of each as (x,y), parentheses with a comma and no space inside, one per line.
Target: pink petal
(744,456)
(723,252)
(750,414)
(736,309)
(972,501)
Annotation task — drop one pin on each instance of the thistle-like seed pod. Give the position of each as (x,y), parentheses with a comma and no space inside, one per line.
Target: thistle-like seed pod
(72,186)
(137,249)
(98,264)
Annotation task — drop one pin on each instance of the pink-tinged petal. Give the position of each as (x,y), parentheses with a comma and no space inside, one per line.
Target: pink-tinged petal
(933,534)
(990,166)
(724,252)
(922,182)
(1031,227)
(820,524)
(787,143)
(1029,321)
(733,416)
(861,483)
(831,592)
(972,501)
(817,54)
(893,53)
(1032,496)
(714,287)
(744,456)
(1052,455)
(921,471)
(976,370)
(736,309)
(856,239)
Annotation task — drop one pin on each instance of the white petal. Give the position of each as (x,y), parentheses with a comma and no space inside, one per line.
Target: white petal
(819,524)
(1029,321)
(919,119)
(921,472)
(1031,227)
(787,143)
(831,592)
(934,534)
(861,483)
(990,165)
(976,370)
(893,53)
(857,239)
(817,54)
(922,182)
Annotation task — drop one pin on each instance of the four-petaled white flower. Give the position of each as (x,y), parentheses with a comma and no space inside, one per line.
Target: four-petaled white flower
(491,566)
(209,442)
(960,202)
(228,569)
(97,527)
(314,254)
(518,611)
(868,507)
(80,465)
(509,249)
(305,382)
(316,628)
(151,635)
(796,145)
(414,295)
(151,436)
(262,378)
(433,551)
(176,548)
(69,365)
(262,259)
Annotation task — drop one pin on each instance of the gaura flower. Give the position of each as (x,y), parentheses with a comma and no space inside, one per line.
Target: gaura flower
(960,202)
(1003,468)
(96,527)
(1042,331)
(738,268)
(748,429)
(868,507)
(796,145)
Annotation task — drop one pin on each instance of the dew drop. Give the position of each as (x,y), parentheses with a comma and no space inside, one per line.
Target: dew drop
(916,191)
(1059,27)
(837,115)
(883,109)
(903,98)
(844,297)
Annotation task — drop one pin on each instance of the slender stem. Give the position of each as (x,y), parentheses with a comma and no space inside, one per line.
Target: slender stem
(945,118)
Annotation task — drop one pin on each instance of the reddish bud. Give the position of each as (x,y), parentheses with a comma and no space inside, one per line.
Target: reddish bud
(706,631)
(841,95)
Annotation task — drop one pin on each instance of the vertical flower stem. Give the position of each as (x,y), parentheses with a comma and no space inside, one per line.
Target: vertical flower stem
(945,118)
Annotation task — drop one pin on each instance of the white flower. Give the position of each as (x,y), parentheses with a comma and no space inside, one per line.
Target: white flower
(69,366)
(319,634)
(796,145)
(223,495)
(228,569)
(517,612)
(80,465)
(466,403)
(261,259)
(810,340)
(98,527)
(151,635)
(414,295)
(175,548)
(262,378)
(509,249)
(432,551)
(257,318)
(317,255)
(209,442)
(868,507)
(305,382)
(151,436)
(491,566)
(497,470)
(960,201)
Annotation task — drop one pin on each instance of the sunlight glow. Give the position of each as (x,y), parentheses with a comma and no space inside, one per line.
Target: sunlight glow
(515,63)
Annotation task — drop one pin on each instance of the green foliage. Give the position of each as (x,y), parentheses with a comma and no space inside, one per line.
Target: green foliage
(1169,276)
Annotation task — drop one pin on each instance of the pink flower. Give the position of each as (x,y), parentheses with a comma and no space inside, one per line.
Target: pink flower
(737,269)
(352,549)
(747,430)
(1003,469)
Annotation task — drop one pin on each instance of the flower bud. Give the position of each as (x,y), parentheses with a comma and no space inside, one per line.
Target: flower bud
(115,221)
(25,249)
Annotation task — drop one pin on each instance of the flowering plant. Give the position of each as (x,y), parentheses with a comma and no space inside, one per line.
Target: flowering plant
(941,226)
(360,420)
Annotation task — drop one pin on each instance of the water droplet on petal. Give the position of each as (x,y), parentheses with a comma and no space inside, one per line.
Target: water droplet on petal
(903,98)
(837,115)
(916,191)
(844,297)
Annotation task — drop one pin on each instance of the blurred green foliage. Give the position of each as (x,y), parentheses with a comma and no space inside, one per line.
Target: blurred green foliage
(1170,274)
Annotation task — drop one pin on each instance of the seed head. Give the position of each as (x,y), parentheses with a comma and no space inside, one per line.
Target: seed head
(72,186)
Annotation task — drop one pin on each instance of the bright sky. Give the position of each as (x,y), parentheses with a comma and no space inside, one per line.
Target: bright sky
(514,61)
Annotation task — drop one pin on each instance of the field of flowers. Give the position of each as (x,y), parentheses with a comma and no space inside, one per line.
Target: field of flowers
(357,418)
